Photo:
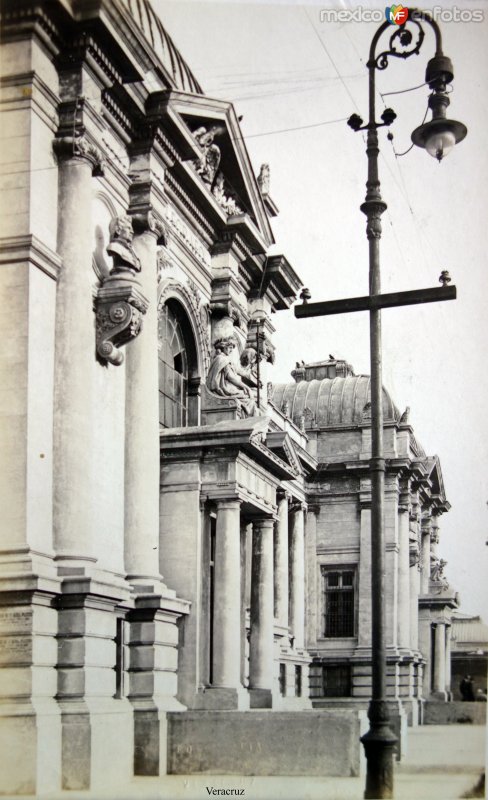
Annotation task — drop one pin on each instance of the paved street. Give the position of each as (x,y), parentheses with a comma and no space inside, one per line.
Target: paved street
(443,761)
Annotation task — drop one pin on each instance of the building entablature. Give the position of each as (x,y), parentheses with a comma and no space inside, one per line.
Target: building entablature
(279,283)
(231,438)
(397,468)
(441,599)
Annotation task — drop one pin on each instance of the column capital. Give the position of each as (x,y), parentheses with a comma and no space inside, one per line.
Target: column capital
(283,494)
(297,505)
(78,147)
(263,522)
(228,502)
(146,221)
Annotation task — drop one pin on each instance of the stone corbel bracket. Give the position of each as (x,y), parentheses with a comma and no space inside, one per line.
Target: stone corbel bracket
(120,305)
(119,311)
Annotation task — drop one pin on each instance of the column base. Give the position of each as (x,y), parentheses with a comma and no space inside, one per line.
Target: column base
(149,585)
(260,698)
(30,744)
(222,698)
(441,695)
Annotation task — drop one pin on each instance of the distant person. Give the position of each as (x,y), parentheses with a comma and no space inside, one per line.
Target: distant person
(466,689)
(481,696)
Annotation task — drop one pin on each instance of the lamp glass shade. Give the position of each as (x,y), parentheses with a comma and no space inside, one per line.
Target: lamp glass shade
(439,136)
(440,143)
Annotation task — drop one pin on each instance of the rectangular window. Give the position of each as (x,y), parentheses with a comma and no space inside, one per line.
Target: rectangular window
(119,657)
(282,680)
(173,397)
(336,680)
(298,681)
(339,603)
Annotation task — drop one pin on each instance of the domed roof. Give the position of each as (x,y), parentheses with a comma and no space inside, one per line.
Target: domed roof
(162,44)
(331,401)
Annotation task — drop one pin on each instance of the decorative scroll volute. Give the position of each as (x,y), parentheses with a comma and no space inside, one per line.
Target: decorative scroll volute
(120,306)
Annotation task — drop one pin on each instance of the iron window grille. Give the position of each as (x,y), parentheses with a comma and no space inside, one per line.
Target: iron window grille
(339,603)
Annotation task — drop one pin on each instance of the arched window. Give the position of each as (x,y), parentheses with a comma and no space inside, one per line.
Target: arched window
(177,367)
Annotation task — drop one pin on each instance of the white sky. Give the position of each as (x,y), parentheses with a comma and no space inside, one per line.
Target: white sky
(284,68)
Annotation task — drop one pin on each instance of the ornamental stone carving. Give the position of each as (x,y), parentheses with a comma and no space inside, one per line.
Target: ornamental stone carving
(224,198)
(414,554)
(264,179)
(120,306)
(208,163)
(226,378)
(147,222)
(79,146)
(437,567)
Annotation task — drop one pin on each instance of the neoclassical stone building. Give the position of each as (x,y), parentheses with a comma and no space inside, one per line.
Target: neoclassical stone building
(332,405)
(180,538)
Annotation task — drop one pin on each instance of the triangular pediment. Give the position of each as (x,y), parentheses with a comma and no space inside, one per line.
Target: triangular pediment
(282,445)
(437,481)
(222,165)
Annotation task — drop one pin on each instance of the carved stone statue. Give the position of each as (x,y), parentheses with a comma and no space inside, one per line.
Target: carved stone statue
(226,202)
(263,179)
(120,246)
(218,189)
(437,570)
(228,379)
(208,164)
(405,416)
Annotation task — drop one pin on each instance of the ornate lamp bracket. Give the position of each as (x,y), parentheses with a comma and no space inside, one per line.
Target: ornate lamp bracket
(119,304)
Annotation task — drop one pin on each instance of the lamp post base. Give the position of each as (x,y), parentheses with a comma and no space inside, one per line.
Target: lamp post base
(379,746)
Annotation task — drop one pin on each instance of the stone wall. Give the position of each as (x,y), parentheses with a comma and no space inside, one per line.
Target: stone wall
(454,713)
(264,743)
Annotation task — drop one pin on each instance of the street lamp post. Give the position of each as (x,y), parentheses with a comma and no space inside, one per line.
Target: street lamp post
(437,136)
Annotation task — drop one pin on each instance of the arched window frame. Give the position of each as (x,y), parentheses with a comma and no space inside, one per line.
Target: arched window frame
(182,300)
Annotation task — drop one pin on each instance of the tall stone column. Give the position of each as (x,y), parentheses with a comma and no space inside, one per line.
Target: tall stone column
(262,617)
(281,563)
(74,356)
(448,661)
(297,574)
(425,562)
(246,565)
(227,691)
(141,545)
(404,609)
(364,609)
(414,581)
(439,686)
(311,570)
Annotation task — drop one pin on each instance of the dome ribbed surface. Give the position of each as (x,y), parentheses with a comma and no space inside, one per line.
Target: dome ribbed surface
(162,44)
(331,401)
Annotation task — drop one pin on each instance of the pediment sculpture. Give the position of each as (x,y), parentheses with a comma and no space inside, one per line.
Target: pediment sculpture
(208,164)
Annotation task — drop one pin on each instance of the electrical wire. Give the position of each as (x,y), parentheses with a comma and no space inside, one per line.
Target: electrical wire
(403,91)
(286,130)
(324,47)
(399,155)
